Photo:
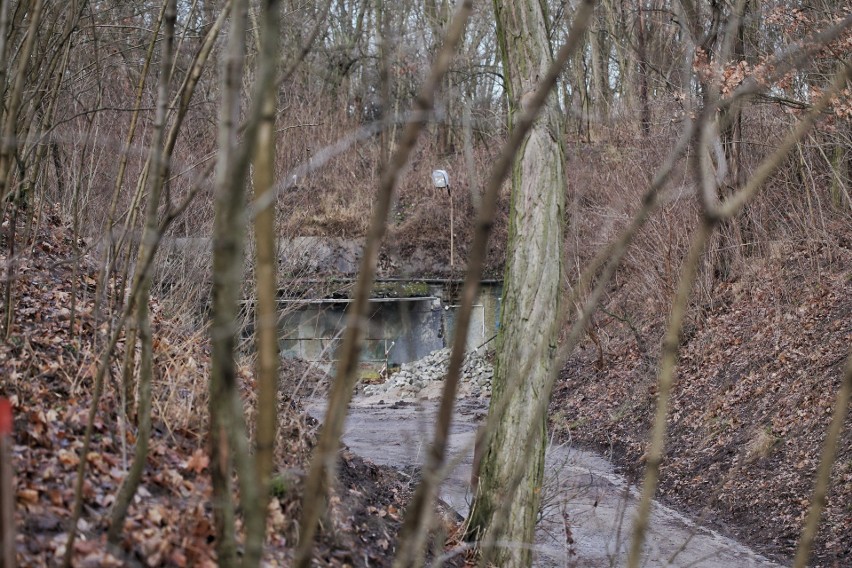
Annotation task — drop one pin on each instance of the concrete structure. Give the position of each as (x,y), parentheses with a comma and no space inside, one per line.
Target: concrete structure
(400,329)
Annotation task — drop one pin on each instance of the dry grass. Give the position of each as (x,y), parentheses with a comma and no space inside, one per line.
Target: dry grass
(804,203)
(797,208)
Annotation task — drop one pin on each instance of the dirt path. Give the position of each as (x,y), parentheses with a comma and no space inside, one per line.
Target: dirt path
(582,493)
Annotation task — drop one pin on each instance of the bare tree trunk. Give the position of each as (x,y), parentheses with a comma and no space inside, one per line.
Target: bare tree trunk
(106,268)
(266,315)
(505,511)
(8,143)
(599,51)
(4,25)
(229,443)
(732,232)
(383,34)
(10,127)
(438,14)
(642,55)
(415,529)
(150,237)
(227,264)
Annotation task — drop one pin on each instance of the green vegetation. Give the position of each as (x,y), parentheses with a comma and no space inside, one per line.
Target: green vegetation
(400,289)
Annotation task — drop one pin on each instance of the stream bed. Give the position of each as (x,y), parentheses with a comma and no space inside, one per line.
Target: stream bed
(587,508)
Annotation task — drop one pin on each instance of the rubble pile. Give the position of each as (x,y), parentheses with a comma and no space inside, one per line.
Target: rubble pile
(424,378)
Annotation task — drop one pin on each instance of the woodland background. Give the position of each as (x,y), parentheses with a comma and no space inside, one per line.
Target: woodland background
(766,334)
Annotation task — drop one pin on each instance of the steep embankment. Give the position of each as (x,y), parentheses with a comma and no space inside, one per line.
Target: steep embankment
(759,370)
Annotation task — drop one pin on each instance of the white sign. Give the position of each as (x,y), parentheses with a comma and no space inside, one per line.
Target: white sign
(440,178)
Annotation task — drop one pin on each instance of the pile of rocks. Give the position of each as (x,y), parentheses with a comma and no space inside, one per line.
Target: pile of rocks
(424,378)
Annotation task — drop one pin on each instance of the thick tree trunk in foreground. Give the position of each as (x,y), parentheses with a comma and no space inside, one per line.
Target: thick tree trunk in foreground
(509,487)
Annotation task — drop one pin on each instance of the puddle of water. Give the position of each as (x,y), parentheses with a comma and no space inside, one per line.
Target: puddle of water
(582,494)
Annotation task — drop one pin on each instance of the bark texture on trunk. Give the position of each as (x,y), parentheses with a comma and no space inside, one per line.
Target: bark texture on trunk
(510,481)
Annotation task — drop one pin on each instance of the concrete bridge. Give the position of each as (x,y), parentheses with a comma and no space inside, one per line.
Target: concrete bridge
(408,319)
(410,316)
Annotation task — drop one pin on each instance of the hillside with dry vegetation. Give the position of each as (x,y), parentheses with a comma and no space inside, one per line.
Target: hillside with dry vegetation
(762,354)
(760,367)
(49,368)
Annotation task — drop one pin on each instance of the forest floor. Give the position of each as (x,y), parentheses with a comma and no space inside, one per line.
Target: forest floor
(759,370)
(47,369)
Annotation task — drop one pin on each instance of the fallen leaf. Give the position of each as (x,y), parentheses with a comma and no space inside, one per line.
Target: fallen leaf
(28,496)
(198,462)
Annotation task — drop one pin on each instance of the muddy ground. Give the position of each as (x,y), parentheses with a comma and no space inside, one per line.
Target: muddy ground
(587,507)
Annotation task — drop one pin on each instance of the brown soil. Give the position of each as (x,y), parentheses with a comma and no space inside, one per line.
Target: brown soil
(759,370)
(366,514)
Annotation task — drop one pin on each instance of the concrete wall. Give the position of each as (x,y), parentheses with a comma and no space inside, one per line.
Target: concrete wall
(400,330)
(405,329)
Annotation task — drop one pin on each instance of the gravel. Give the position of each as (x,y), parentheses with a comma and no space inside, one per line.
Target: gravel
(424,378)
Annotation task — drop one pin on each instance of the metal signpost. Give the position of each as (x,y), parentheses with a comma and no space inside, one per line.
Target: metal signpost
(440,180)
